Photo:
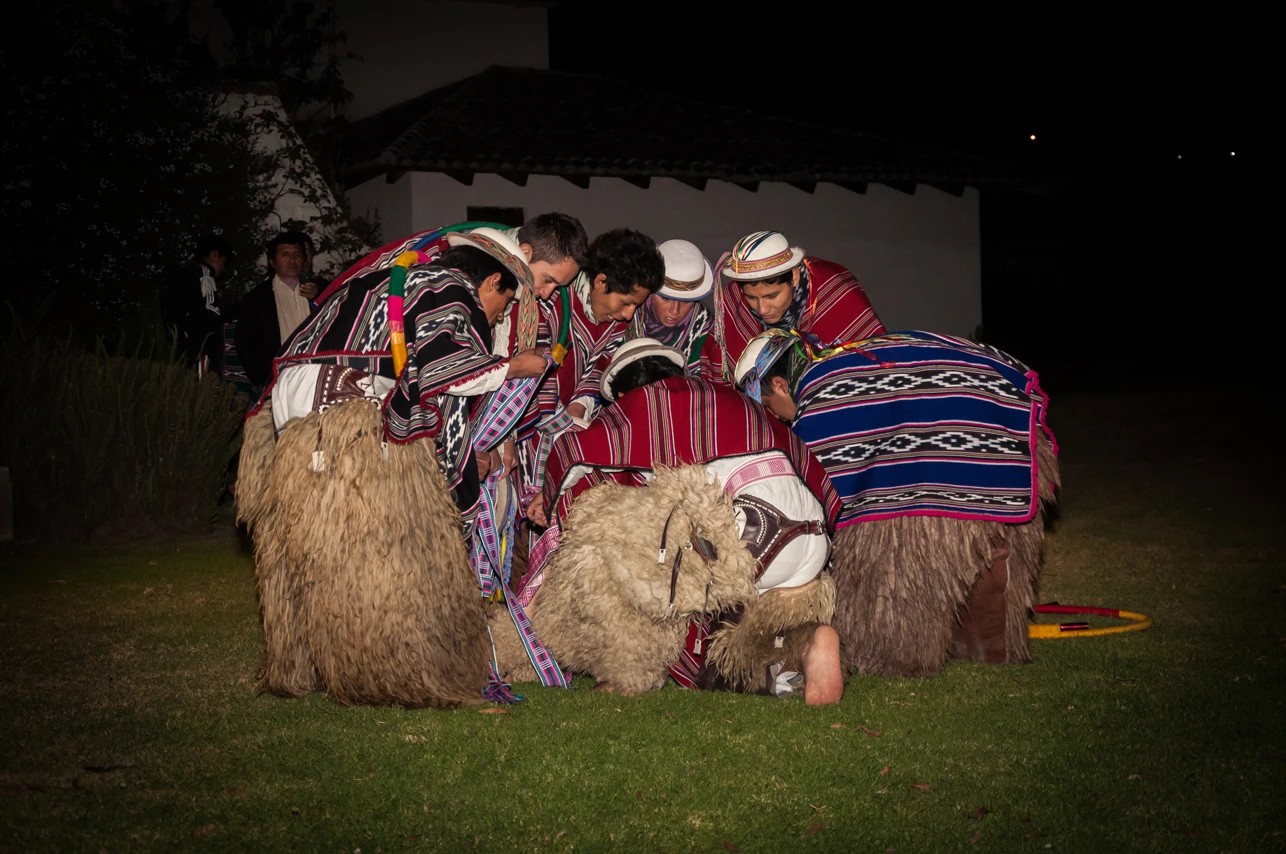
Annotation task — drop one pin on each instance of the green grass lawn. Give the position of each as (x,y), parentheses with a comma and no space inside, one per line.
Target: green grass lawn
(128,718)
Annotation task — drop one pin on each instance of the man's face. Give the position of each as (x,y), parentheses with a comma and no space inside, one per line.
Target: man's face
(551,277)
(671,312)
(495,302)
(288,263)
(770,301)
(779,403)
(609,305)
(217,262)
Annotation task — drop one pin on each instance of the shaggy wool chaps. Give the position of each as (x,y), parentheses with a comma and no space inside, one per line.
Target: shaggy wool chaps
(364,582)
(605,607)
(776,628)
(913,590)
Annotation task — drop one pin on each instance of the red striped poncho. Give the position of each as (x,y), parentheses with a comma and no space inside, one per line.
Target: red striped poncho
(673,422)
(837,312)
(384,257)
(591,347)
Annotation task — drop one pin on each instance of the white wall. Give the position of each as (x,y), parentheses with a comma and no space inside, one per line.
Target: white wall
(917,255)
(410,47)
(393,204)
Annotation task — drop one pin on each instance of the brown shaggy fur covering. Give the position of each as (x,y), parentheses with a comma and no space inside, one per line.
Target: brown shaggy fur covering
(364,582)
(742,653)
(603,609)
(900,583)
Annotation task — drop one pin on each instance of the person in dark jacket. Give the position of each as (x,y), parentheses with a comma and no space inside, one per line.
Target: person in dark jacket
(271,311)
(192,307)
(310,275)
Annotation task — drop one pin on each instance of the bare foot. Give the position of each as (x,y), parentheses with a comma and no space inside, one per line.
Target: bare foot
(823,679)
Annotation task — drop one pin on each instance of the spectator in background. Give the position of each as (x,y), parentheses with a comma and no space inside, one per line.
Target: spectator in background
(192,308)
(270,313)
(309,275)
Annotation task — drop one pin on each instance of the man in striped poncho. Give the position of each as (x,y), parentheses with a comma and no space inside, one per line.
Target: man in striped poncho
(360,484)
(939,451)
(773,285)
(698,457)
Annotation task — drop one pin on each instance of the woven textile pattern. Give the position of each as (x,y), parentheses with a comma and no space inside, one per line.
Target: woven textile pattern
(837,311)
(449,340)
(677,421)
(924,424)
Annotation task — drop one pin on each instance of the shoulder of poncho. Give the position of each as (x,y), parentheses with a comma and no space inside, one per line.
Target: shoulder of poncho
(822,272)
(439,280)
(665,392)
(883,353)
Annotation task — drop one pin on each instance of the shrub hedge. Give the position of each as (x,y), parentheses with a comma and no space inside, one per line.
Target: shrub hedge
(113,443)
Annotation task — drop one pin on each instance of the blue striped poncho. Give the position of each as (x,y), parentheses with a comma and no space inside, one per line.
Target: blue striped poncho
(919,424)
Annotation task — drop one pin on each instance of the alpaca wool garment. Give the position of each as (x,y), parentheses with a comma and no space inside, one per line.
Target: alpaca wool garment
(902,583)
(364,583)
(605,608)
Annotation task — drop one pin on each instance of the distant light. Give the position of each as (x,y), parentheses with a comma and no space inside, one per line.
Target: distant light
(1233,153)
(1180,156)
(1033,136)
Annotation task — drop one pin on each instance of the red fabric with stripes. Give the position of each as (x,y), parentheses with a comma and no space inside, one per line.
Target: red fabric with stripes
(837,312)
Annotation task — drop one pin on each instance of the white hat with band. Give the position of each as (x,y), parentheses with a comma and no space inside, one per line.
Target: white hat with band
(761,255)
(688,275)
(632,351)
(500,246)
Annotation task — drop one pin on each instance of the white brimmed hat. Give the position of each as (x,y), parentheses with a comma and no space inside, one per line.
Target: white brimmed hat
(761,255)
(761,353)
(632,351)
(688,276)
(500,246)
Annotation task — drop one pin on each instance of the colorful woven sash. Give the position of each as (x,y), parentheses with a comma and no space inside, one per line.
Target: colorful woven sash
(492,552)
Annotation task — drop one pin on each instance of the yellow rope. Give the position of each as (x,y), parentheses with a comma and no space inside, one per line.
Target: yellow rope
(1051,630)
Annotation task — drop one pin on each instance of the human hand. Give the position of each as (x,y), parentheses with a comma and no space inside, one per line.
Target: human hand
(536,511)
(308,290)
(576,410)
(528,363)
(509,456)
(488,461)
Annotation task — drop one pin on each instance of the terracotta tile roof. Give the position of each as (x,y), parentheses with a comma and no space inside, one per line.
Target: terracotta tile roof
(519,122)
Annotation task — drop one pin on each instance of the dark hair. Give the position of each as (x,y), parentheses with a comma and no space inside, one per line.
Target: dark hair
(645,371)
(478,266)
(628,259)
(779,279)
(554,237)
(286,238)
(213,243)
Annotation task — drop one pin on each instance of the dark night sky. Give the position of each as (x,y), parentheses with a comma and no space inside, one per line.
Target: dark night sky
(1142,241)
(1098,95)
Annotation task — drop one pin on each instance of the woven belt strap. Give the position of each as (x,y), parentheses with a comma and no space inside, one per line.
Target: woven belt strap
(768,531)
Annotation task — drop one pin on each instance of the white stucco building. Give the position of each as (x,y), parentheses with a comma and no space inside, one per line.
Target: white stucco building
(479,128)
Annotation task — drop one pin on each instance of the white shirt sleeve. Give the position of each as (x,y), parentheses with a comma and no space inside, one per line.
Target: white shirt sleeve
(493,379)
(591,409)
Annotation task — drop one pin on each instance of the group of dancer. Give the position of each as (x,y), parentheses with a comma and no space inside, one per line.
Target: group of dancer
(495,456)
